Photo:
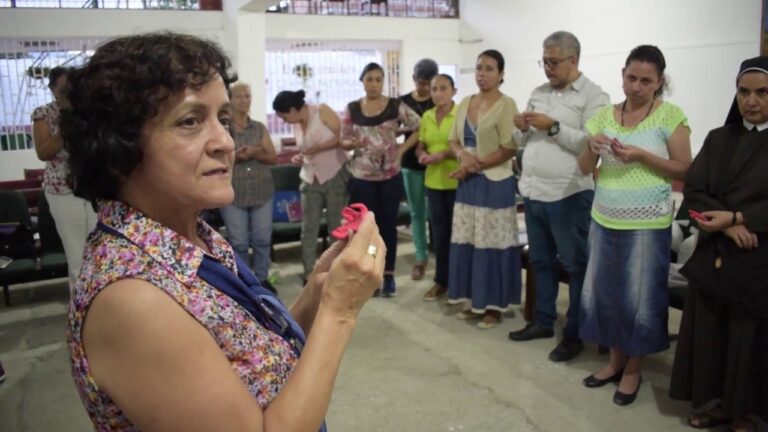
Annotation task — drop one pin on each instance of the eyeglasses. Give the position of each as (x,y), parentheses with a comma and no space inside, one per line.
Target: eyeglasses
(552,62)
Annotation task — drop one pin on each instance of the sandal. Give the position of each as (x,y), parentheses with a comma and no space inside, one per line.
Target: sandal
(750,422)
(707,419)
(489,321)
(468,315)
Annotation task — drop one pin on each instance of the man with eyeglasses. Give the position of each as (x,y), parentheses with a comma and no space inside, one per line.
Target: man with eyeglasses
(558,198)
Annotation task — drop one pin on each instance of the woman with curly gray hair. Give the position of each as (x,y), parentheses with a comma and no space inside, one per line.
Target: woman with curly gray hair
(180,335)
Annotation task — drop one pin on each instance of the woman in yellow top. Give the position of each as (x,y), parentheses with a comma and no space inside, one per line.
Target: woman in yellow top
(435,152)
(485,250)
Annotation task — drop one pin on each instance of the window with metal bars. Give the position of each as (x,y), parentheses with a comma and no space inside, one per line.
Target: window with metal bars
(114,4)
(329,73)
(24,67)
(391,8)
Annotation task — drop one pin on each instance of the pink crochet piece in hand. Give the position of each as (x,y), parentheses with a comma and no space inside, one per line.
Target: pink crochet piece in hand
(353,216)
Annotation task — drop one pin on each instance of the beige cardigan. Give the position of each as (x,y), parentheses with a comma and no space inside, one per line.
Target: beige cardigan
(494,128)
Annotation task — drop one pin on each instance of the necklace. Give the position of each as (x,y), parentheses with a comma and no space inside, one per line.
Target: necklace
(624,107)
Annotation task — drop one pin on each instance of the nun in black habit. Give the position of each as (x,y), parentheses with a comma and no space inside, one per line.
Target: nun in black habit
(721,362)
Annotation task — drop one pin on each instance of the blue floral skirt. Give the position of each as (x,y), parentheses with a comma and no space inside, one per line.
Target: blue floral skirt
(485,261)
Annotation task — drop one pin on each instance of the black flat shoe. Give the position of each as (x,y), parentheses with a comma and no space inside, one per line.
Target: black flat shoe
(566,350)
(592,382)
(623,399)
(530,332)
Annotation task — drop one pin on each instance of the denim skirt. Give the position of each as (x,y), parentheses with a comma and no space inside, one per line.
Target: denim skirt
(625,300)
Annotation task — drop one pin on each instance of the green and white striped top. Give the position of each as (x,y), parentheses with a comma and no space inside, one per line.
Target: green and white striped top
(631,196)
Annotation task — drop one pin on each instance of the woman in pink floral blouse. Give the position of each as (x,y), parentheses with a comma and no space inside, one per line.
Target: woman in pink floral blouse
(370,129)
(168,329)
(74,217)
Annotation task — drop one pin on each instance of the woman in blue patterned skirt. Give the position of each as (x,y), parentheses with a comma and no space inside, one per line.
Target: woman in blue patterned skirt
(485,251)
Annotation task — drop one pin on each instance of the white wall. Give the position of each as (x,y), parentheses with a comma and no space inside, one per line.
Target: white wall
(76,23)
(12,163)
(704,41)
(250,68)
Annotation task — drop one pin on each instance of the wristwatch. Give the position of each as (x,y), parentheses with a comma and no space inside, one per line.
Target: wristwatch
(554,129)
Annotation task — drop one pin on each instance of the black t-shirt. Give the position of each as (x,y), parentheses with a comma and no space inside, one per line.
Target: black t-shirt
(410,160)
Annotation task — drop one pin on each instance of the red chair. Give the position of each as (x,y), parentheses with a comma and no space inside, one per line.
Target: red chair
(34,173)
(30,188)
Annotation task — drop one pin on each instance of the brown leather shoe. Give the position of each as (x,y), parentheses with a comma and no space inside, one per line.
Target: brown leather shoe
(435,293)
(417,272)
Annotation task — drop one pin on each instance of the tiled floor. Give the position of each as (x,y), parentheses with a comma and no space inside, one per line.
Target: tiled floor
(410,367)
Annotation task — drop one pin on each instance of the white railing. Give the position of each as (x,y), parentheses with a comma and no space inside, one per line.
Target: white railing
(391,8)
(115,4)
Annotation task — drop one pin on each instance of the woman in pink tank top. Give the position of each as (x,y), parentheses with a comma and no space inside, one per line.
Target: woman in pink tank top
(323,181)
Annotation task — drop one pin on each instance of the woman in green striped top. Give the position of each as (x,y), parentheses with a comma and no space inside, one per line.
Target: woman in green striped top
(643,144)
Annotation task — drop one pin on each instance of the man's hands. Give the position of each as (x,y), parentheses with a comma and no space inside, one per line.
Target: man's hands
(539,121)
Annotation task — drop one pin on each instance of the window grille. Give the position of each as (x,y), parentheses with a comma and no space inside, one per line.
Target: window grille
(329,73)
(24,67)
(392,8)
(110,4)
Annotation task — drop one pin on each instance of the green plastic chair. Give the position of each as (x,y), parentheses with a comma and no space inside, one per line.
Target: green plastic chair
(53,261)
(13,208)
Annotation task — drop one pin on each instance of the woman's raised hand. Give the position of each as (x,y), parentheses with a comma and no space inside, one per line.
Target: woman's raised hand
(355,272)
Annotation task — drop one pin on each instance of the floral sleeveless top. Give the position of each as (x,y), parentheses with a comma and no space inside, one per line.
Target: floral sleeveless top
(160,256)
(56,168)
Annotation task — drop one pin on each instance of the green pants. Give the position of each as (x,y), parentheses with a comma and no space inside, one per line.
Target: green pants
(416,193)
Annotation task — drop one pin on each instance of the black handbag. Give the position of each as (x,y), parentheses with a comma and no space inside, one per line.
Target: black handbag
(17,241)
